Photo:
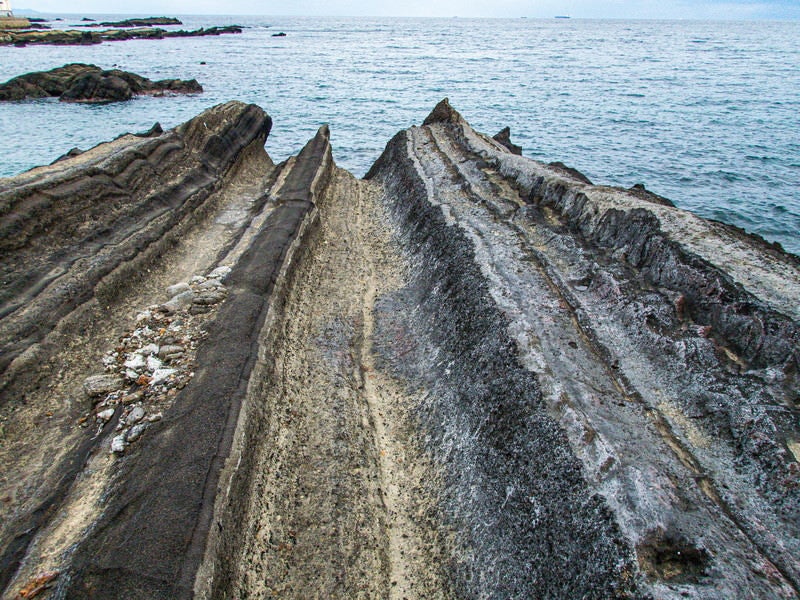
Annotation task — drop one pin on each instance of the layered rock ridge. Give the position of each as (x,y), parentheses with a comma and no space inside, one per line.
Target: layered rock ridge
(469,375)
(84,242)
(664,345)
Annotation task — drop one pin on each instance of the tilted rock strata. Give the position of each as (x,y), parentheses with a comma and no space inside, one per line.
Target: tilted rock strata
(473,375)
(666,346)
(198,434)
(90,84)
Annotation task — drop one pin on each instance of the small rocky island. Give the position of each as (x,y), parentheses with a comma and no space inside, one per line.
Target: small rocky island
(146,22)
(92,85)
(468,375)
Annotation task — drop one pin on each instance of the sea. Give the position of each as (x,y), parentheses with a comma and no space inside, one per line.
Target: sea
(706,113)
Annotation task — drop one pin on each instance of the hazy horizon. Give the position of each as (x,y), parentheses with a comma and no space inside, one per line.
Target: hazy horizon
(621,9)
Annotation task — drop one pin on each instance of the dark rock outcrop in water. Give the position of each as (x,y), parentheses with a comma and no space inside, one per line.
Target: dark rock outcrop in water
(147,22)
(74,37)
(469,375)
(90,84)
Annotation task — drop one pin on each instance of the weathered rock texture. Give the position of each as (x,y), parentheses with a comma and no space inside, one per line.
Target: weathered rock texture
(90,84)
(664,345)
(471,375)
(78,238)
(74,37)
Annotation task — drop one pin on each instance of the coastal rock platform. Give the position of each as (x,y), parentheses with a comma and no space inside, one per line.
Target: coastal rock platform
(76,37)
(468,375)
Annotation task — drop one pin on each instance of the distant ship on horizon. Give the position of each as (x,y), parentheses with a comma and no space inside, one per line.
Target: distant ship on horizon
(562,17)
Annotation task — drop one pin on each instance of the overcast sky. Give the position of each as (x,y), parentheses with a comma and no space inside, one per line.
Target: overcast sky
(642,9)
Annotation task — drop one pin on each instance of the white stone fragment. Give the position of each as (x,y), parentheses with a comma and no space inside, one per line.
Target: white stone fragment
(135,362)
(153,364)
(105,415)
(161,375)
(149,349)
(118,444)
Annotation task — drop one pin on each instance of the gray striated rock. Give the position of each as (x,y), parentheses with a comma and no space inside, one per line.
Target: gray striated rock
(178,288)
(100,385)
(135,432)
(648,334)
(136,415)
(77,240)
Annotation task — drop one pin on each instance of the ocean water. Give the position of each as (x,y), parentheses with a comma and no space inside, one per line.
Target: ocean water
(704,113)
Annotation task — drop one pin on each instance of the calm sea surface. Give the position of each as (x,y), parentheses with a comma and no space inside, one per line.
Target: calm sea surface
(704,113)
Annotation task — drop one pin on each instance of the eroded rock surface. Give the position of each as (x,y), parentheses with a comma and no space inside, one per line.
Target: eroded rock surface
(90,84)
(471,375)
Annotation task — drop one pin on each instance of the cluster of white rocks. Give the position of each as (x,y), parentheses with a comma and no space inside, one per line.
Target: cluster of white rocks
(154,360)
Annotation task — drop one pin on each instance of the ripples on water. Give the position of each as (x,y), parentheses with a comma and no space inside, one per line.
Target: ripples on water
(703,113)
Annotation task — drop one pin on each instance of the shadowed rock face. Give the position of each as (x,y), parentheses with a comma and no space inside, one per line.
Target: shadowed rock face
(504,137)
(470,375)
(90,84)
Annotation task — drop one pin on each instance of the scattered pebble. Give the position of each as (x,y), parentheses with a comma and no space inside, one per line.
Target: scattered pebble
(150,350)
(135,363)
(161,375)
(136,376)
(118,444)
(135,432)
(178,288)
(136,415)
(153,364)
(176,303)
(100,385)
(105,415)
(169,350)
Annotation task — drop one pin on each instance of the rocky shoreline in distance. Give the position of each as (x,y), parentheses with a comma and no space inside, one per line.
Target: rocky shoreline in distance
(91,85)
(74,37)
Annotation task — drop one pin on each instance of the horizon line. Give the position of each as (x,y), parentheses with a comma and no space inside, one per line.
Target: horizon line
(374,16)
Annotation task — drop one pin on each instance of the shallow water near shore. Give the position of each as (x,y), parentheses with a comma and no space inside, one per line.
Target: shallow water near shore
(704,113)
